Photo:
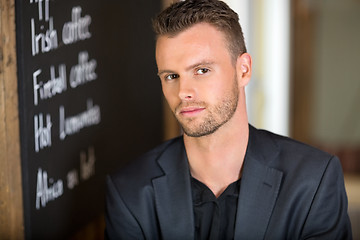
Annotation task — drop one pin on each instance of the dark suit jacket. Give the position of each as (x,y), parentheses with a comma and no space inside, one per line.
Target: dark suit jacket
(288,191)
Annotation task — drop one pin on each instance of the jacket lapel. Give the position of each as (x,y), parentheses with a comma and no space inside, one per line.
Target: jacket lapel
(173,194)
(259,188)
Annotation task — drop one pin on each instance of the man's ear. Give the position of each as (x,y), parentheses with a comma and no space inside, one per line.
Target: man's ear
(243,69)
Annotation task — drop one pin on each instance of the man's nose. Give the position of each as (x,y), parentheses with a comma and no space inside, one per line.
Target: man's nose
(187,89)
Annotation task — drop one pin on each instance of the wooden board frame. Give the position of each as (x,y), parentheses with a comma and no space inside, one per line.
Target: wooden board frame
(11,205)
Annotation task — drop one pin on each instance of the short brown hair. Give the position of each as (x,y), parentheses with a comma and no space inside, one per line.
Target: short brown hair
(184,14)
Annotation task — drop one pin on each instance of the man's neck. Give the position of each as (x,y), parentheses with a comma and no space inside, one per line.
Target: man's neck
(217,159)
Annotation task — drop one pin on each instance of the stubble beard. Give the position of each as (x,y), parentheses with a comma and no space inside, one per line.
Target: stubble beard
(216,116)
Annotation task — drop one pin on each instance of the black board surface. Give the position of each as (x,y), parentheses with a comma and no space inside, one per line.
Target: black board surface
(89,101)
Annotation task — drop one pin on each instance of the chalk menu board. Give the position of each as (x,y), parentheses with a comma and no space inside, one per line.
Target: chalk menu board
(89,101)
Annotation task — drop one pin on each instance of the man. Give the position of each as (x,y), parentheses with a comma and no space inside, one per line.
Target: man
(223,179)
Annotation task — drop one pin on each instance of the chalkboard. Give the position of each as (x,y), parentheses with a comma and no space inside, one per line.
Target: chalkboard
(89,101)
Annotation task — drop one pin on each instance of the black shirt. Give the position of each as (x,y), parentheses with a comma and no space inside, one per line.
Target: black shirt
(214,217)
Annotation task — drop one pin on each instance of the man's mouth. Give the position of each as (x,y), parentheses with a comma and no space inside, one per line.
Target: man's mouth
(191,111)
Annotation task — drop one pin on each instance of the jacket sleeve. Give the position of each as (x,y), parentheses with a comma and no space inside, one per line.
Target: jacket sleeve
(328,217)
(120,222)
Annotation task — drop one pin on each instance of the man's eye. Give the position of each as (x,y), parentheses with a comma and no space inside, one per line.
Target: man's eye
(171,77)
(201,71)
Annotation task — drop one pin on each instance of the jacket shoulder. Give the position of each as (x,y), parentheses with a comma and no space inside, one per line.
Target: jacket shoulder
(143,169)
(290,156)
(293,148)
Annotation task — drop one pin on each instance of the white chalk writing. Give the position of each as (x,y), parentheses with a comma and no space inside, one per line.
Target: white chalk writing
(46,189)
(73,124)
(78,28)
(44,42)
(87,163)
(72,179)
(42,132)
(55,85)
(50,80)
(40,7)
(84,71)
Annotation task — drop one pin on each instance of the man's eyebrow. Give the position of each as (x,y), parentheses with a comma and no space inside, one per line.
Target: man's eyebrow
(202,63)
(164,71)
(192,66)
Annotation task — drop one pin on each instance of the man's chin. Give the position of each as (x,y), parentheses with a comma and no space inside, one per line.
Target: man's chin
(199,133)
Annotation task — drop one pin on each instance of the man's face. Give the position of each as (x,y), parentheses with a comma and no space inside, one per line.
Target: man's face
(198,78)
